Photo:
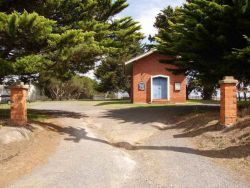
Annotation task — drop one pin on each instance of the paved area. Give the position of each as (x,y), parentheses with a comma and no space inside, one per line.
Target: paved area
(125,147)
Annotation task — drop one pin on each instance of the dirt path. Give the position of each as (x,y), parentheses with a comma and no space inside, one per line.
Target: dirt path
(125,148)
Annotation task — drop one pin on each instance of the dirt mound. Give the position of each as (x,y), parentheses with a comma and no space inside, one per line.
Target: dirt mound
(13,134)
(20,153)
(227,146)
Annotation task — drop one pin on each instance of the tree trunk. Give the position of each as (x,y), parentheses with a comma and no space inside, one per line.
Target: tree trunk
(187,92)
(106,95)
(208,92)
(245,96)
(239,97)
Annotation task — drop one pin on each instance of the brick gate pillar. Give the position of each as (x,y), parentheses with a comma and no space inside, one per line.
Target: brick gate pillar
(228,101)
(18,114)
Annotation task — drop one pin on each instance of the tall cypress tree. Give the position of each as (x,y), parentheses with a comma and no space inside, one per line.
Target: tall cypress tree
(203,35)
(110,72)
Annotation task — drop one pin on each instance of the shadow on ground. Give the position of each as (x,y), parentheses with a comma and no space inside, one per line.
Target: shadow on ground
(190,121)
(56,113)
(168,115)
(78,134)
(34,114)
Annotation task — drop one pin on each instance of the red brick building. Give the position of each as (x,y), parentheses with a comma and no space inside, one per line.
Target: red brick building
(152,82)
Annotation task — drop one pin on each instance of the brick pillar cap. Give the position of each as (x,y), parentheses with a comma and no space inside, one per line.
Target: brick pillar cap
(19,86)
(228,80)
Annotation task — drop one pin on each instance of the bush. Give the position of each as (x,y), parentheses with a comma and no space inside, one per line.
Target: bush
(76,88)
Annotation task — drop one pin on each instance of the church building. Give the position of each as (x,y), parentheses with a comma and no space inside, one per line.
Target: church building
(152,82)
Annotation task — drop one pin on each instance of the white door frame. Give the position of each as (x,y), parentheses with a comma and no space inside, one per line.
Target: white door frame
(151,85)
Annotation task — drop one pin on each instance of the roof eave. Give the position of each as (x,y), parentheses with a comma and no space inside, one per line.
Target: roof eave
(140,57)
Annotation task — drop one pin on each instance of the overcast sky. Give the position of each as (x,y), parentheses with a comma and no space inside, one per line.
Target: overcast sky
(145,11)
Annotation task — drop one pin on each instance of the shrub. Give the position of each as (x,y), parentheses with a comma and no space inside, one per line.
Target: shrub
(75,88)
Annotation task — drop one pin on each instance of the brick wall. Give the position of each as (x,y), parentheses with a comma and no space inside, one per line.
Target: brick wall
(149,66)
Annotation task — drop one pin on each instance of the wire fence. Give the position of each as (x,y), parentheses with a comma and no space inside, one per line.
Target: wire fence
(241,96)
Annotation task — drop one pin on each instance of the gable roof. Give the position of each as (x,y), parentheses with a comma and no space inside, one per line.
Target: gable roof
(140,57)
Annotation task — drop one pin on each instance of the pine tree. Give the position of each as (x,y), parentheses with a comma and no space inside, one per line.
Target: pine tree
(202,35)
(22,35)
(82,32)
(110,72)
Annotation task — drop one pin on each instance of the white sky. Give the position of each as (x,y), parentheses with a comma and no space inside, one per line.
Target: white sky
(145,11)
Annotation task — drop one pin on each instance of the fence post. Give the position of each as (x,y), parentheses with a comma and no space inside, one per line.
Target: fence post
(18,114)
(228,102)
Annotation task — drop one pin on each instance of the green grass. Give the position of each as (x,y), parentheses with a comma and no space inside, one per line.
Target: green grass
(112,102)
(199,101)
(105,104)
(127,104)
(243,104)
(4,106)
(5,113)
(36,117)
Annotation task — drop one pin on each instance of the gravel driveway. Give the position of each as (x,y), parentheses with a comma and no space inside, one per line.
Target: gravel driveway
(105,147)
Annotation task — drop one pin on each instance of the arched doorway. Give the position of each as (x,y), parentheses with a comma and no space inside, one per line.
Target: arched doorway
(159,88)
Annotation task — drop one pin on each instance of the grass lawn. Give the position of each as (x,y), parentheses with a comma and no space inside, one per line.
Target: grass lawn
(128,104)
(241,104)
(244,104)
(5,113)
(197,101)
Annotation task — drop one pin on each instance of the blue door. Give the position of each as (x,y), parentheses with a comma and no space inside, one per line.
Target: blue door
(160,90)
